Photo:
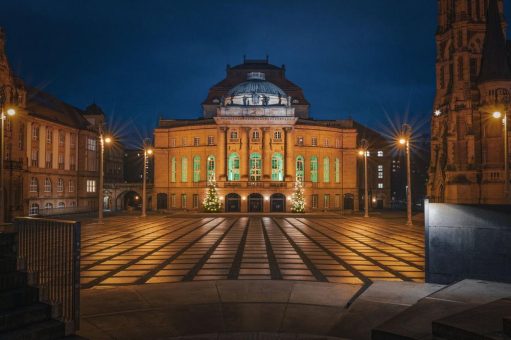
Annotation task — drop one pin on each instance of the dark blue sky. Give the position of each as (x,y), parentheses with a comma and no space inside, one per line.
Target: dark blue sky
(142,59)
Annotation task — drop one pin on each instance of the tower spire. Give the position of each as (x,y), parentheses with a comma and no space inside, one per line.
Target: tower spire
(494,65)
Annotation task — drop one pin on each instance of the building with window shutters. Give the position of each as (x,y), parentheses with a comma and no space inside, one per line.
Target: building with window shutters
(255,141)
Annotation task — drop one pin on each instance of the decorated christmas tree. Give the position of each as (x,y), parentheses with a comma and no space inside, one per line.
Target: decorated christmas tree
(298,199)
(212,201)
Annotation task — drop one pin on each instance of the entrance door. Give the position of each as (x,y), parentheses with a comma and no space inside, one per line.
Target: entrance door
(233,203)
(379,204)
(277,203)
(161,201)
(255,203)
(348,201)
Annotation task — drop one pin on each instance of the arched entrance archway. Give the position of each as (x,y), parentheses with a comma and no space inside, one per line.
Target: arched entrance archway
(277,203)
(129,200)
(255,203)
(348,201)
(233,203)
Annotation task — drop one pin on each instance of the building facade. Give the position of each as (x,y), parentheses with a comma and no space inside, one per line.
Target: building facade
(51,151)
(473,80)
(255,142)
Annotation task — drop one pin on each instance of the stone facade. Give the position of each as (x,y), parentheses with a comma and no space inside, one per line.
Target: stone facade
(473,81)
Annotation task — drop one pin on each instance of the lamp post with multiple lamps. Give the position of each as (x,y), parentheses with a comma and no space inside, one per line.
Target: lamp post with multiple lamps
(148,151)
(406,132)
(364,146)
(498,115)
(9,112)
(102,141)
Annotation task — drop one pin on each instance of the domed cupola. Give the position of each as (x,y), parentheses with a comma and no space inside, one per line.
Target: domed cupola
(256,91)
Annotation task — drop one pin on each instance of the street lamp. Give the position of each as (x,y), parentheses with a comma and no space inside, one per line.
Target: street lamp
(10,112)
(102,141)
(498,115)
(405,140)
(147,152)
(364,146)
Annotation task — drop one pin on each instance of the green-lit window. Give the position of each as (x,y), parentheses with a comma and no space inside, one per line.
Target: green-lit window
(211,168)
(256,167)
(234,167)
(326,169)
(196,169)
(184,169)
(277,167)
(173,170)
(300,168)
(314,169)
(337,170)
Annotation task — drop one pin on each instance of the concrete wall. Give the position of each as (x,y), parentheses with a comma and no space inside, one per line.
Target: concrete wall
(467,241)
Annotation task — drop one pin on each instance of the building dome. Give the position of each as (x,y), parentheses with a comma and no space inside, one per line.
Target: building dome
(256,91)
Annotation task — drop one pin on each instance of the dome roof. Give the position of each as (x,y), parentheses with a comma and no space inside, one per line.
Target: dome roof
(256,84)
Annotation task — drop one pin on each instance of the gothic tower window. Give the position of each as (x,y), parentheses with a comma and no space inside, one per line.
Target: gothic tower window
(460,68)
(473,68)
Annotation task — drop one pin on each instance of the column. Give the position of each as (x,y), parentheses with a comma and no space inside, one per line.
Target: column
(222,157)
(244,156)
(42,146)
(267,153)
(67,152)
(247,144)
(289,167)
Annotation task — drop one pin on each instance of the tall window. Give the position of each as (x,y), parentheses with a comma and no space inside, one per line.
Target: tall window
(61,161)
(35,157)
(49,159)
(60,185)
(314,141)
(277,135)
(184,169)
(300,169)
(183,201)
(195,201)
(35,132)
(62,138)
(196,141)
(233,167)
(211,140)
(91,185)
(277,167)
(326,201)
(380,171)
(49,135)
(314,201)
(255,135)
(337,170)
(326,169)
(234,135)
(255,166)
(299,141)
(196,169)
(314,169)
(47,185)
(211,168)
(173,170)
(71,187)
(34,185)
(34,209)
(91,144)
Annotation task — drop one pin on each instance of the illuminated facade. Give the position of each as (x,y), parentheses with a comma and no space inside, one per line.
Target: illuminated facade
(255,141)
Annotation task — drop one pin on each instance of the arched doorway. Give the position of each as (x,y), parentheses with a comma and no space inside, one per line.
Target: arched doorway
(232,203)
(348,201)
(255,203)
(161,201)
(129,200)
(277,203)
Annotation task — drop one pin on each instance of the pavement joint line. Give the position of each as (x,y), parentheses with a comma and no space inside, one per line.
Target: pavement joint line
(272,260)
(368,258)
(129,263)
(375,248)
(162,265)
(310,265)
(195,269)
(234,271)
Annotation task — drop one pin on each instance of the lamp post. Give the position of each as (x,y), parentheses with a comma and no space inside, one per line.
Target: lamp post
(102,141)
(147,152)
(364,146)
(405,140)
(10,112)
(498,115)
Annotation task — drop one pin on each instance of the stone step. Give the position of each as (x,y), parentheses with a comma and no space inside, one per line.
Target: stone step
(481,322)
(45,330)
(13,280)
(18,297)
(23,316)
(506,324)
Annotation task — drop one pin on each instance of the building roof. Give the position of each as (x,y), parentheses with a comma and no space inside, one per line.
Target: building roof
(256,86)
(93,110)
(172,123)
(45,106)
(495,63)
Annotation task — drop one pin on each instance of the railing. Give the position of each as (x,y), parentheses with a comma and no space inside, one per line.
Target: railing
(56,211)
(50,249)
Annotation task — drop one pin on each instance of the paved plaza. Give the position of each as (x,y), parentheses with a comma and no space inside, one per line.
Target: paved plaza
(164,248)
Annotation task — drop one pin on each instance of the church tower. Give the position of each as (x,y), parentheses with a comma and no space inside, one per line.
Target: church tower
(473,79)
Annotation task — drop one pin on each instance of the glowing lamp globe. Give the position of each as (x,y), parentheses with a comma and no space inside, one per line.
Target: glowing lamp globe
(497,114)
(402,141)
(108,140)
(11,112)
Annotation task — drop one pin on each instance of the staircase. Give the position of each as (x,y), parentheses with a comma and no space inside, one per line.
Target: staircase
(22,316)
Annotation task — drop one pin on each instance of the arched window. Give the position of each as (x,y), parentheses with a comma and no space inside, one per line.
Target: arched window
(211,168)
(60,185)
(234,167)
(337,170)
(34,185)
(61,205)
(196,169)
(184,169)
(314,169)
(326,170)
(255,166)
(47,185)
(173,170)
(277,167)
(48,206)
(34,209)
(300,169)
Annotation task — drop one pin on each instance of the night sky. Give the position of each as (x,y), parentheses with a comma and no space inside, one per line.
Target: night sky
(140,60)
